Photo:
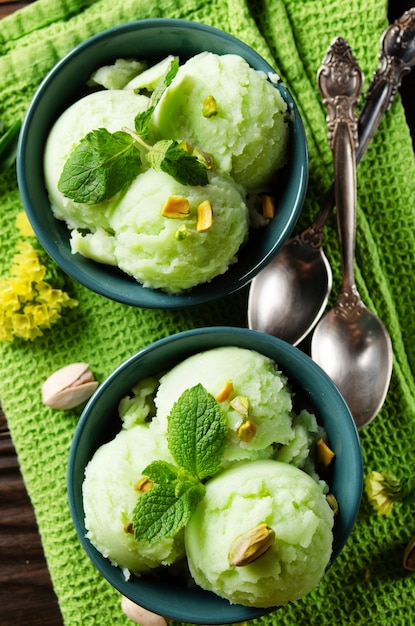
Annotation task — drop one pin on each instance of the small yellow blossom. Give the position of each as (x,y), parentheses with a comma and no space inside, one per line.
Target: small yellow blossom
(28,303)
(383,490)
(23,225)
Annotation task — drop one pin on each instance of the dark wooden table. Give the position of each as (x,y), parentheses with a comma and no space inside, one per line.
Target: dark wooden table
(26,593)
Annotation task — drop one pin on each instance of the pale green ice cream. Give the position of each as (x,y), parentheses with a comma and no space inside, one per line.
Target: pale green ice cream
(110,109)
(254,377)
(109,499)
(248,134)
(169,253)
(241,498)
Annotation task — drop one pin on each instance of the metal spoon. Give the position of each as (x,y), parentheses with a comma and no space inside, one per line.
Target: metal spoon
(288,297)
(350,343)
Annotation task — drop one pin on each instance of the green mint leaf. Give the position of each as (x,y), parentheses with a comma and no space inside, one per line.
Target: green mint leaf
(161,512)
(164,82)
(142,120)
(102,165)
(167,155)
(162,473)
(197,432)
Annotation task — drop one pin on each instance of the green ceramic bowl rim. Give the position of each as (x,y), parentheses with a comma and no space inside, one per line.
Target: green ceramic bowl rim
(199,606)
(51,98)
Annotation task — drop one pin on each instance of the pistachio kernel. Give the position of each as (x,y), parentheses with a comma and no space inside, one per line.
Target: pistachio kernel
(204,216)
(225,392)
(129,528)
(247,431)
(185,145)
(325,455)
(144,484)
(268,207)
(182,233)
(333,503)
(209,107)
(241,405)
(176,207)
(251,545)
(204,157)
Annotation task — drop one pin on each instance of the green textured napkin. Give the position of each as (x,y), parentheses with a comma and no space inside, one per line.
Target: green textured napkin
(367,584)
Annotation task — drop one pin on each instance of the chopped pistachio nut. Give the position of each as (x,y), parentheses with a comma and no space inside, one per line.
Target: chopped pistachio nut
(129,528)
(209,107)
(225,392)
(241,405)
(204,216)
(252,544)
(185,145)
(333,503)
(144,484)
(247,430)
(204,157)
(176,207)
(268,207)
(325,455)
(182,233)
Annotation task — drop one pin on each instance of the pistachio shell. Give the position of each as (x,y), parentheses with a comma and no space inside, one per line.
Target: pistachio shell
(69,386)
(139,615)
(251,545)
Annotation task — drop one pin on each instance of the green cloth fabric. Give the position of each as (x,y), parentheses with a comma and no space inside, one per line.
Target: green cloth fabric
(367,584)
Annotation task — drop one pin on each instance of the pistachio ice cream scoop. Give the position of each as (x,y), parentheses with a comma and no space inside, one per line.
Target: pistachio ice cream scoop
(109,109)
(113,483)
(262,535)
(253,395)
(226,108)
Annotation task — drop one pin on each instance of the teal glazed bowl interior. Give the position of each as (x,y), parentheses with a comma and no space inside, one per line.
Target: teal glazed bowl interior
(151,40)
(99,422)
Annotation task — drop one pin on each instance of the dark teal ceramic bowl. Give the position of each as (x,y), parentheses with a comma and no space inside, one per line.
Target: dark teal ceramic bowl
(166,595)
(150,39)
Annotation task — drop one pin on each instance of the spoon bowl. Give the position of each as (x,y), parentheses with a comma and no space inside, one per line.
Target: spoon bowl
(362,370)
(278,310)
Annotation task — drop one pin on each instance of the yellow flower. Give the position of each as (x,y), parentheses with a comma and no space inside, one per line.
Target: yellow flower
(26,264)
(383,490)
(23,225)
(23,327)
(29,304)
(9,299)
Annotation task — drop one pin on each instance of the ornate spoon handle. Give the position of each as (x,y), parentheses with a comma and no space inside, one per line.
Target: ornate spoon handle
(340,81)
(396,58)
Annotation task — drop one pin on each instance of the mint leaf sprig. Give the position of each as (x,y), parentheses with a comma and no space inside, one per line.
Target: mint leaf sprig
(104,164)
(142,119)
(197,436)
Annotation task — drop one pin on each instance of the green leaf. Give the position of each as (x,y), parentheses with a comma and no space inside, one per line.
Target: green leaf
(167,155)
(164,82)
(142,119)
(102,165)
(8,145)
(161,473)
(197,432)
(161,512)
